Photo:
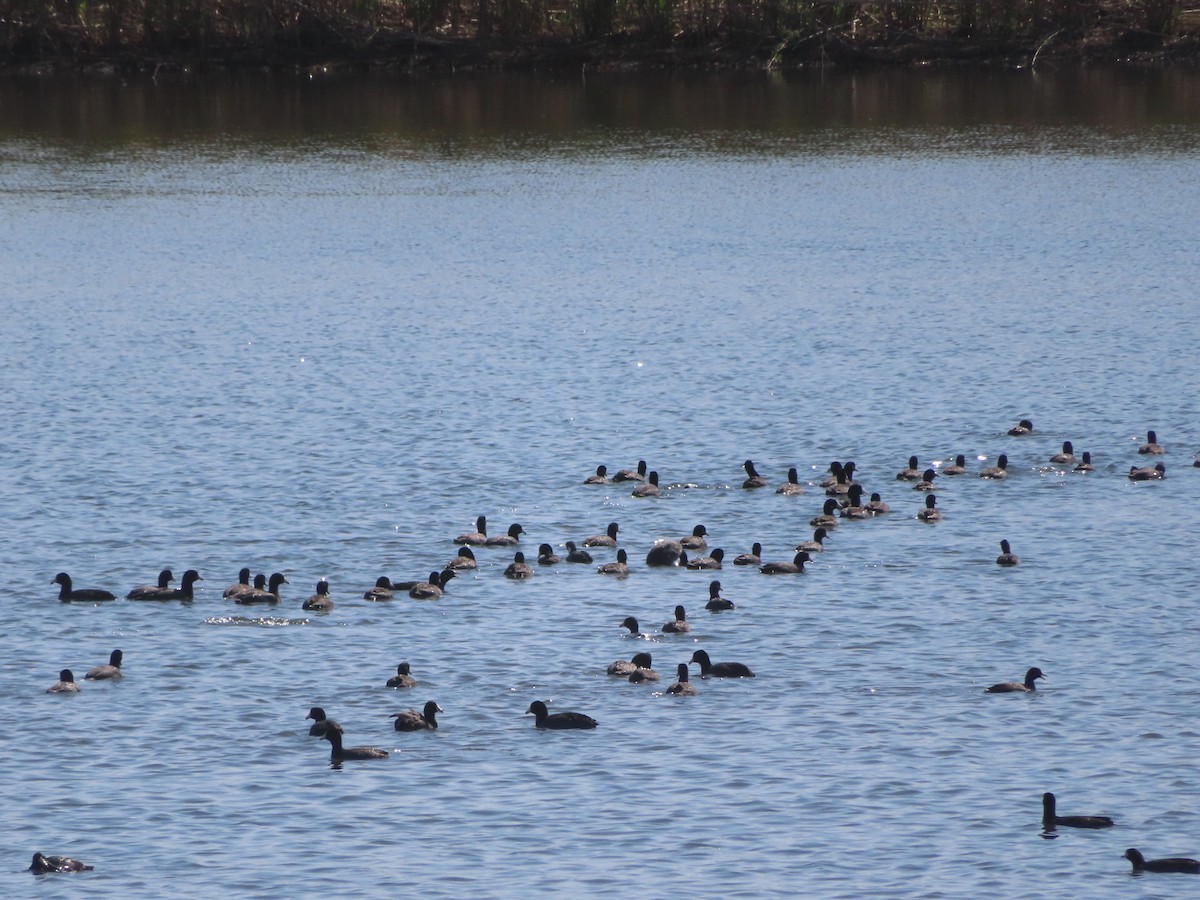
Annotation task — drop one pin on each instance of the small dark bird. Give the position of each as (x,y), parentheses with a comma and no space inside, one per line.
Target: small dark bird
(1171,864)
(720,670)
(1007,557)
(1050,818)
(664,553)
(506,540)
(145,591)
(1086,464)
(717,603)
(464,560)
(476,538)
(402,678)
(65,684)
(112,670)
(575,555)
(518,569)
(1066,456)
(338,753)
(1021,428)
(1148,473)
(912,473)
(320,722)
(682,687)
(753,558)
(620,567)
(792,487)
(753,479)
(85,595)
(382,590)
(601,476)
(650,488)
(712,561)
(695,540)
(559,720)
(622,668)
(638,474)
(930,513)
(959,467)
(1152,447)
(243,584)
(320,601)
(411,720)
(1017,687)
(678,625)
(795,567)
(608,539)
(43,865)
(258,595)
(998,471)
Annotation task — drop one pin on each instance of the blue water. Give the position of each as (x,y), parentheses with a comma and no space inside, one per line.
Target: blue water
(326,356)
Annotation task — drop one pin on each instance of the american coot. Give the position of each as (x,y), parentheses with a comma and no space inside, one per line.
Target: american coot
(753,558)
(476,538)
(1171,864)
(1050,818)
(112,670)
(258,595)
(695,540)
(930,513)
(664,553)
(411,720)
(795,567)
(185,591)
(142,591)
(1152,447)
(464,560)
(926,482)
(911,473)
(678,625)
(381,591)
(1148,473)
(712,561)
(433,588)
(517,569)
(320,722)
(650,488)
(1022,428)
(65,684)
(753,479)
(998,471)
(1017,687)
(608,539)
(403,677)
(43,865)
(575,555)
(959,467)
(717,603)
(86,595)
(624,667)
(511,539)
(792,487)
(320,601)
(827,519)
(817,544)
(559,720)
(1007,557)
(709,669)
(876,506)
(638,474)
(601,476)
(338,753)
(620,567)
(1086,464)
(243,584)
(682,687)
(1066,456)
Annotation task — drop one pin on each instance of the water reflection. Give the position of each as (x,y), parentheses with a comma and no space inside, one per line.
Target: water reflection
(724,113)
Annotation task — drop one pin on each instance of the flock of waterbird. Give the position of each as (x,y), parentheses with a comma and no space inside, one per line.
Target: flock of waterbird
(844,503)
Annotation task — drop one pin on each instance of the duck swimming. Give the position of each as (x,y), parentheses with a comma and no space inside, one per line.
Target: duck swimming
(638,474)
(575,555)
(998,471)
(476,538)
(709,669)
(876,506)
(624,667)
(753,558)
(320,722)
(165,577)
(827,519)
(547,556)
(664,553)
(86,595)
(608,539)
(1148,473)
(1152,447)
(930,513)
(243,584)
(717,603)
(1050,818)
(911,473)
(926,482)
(959,467)
(795,567)
(382,590)
(433,588)
(1007,557)
(1066,456)
(678,625)
(465,560)
(517,569)
(506,540)
(65,684)
(110,671)
(650,489)
(43,865)
(792,487)
(712,561)
(183,592)
(411,720)
(620,567)
(257,595)
(817,544)
(320,601)
(753,479)
(682,687)
(1017,687)
(695,540)
(601,476)
(338,753)
(558,721)
(1179,864)
(1086,464)
(1022,428)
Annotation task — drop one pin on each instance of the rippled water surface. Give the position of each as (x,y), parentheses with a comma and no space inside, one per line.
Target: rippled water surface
(318,326)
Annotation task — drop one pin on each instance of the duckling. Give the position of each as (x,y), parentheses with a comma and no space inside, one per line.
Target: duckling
(1016,687)
(876,506)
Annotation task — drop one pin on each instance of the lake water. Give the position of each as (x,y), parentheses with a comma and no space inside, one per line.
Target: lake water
(317,325)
